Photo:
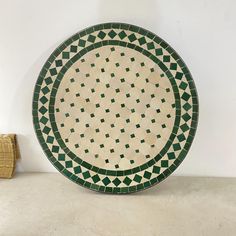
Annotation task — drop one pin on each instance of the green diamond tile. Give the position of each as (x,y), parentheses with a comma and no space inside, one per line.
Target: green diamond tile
(77,170)
(45,90)
(55,149)
(142,40)
(122,34)
(106,181)
(186,117)
(171,155)
(164,163)
(82,43)
(156,169)
(96,178)
(91,38)
(61,157)
(43,110)
(132,37)
(185,96)
(53,71)
(58,64)
(101,35)
(187,106)
(112,34)
(137,178)
(116,181)
(166,58)
(43,100)
(50,139)
(173,66)
(184,127)
(65,55)
(86,175)
(179,75)
(127,181)
(73,48)
(150,45)
(69,164)
(159,51)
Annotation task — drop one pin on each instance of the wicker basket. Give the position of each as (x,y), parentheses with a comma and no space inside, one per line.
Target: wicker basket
(8,155)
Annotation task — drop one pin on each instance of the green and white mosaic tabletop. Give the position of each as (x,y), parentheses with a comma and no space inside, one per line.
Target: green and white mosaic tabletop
(115,108)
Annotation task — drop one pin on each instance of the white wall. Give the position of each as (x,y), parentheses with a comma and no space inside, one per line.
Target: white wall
(203,32)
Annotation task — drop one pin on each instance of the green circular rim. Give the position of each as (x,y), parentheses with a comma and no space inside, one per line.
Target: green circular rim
(184,150)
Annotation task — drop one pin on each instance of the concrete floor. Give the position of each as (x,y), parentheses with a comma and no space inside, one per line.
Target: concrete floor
(49,204)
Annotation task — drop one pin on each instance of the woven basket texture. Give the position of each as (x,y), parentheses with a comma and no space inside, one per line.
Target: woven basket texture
(9,153)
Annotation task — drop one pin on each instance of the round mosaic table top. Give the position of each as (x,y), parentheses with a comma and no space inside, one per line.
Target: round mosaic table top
(115,108)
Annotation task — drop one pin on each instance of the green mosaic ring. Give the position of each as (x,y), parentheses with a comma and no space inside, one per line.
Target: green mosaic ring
(115,108)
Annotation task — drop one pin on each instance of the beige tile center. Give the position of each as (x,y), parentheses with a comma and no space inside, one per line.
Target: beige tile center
(114,108)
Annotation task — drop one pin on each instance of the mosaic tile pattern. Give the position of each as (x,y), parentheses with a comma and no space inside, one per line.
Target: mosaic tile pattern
(115,108)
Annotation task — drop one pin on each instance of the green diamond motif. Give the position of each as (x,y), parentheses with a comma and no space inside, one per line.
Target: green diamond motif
(43,100)
(112,34)
(184,127)
(48,80)
(137,178)
(53,71)
(55,149)
(173,66)
(77,169)
(50,139)
(96,178)
(65,55)
(147,175)
(181,137)
(159,51)
(176,146)
(142,40)
(43,120)
(61,157)
(58,63)
(186,117)
(116,181)
(113,107)
(171,155)
(183,85)
(185,96)
(127,181)
(150,45)
(122,34)
(166,58)
(132,37)
(73,48)
(101,35)
(86,174)
(156,169)
(46,130)
(43,110)
(106,181)
(82,43)
(179,75)
(187,106)
(91,38)
(45,90)
(164,163)
(69,164)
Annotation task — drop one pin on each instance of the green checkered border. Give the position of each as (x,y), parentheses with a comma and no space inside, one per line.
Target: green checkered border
(149,41)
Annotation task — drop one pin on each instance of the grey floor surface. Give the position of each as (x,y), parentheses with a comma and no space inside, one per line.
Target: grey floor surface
(49,204)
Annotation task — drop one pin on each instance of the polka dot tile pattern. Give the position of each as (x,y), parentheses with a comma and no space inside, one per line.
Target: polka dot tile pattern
(115,108)
(100,120)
